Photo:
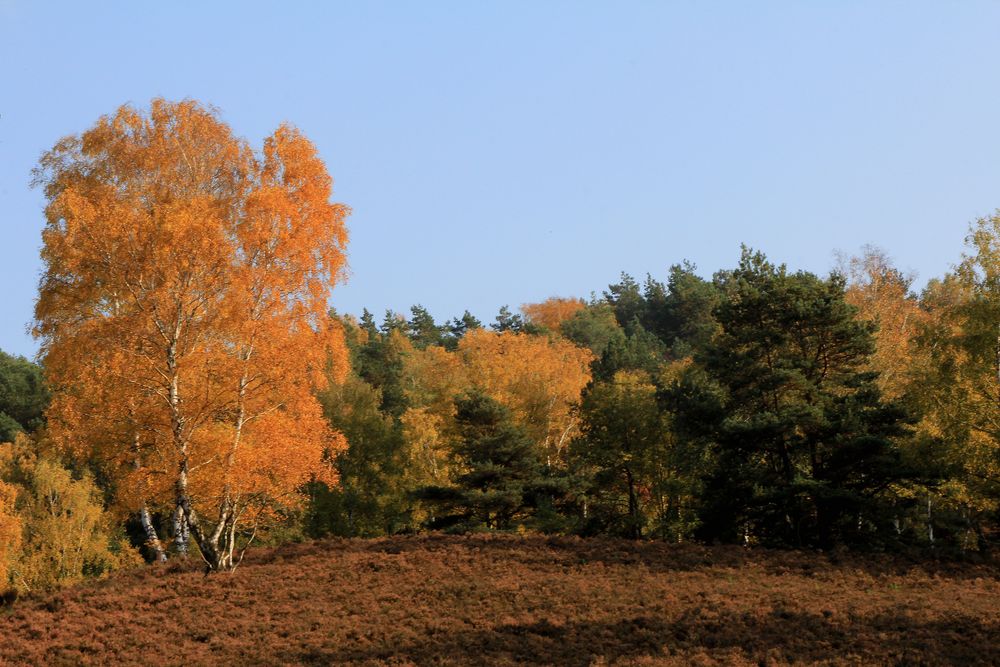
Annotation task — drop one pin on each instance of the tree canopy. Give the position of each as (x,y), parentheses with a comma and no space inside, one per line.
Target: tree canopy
(182,313)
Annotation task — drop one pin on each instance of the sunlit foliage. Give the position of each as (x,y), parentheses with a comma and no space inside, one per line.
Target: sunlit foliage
(60,533)
(552,312)
(182,313)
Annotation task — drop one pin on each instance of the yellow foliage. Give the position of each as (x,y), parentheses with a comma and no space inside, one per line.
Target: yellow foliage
(10,532)
(60,533)
(538,378)
(433,377)
(424,431)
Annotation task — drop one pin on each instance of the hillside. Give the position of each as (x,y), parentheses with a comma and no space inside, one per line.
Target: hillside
(510,600)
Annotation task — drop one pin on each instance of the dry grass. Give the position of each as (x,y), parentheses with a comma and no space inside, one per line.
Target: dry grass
(508,600)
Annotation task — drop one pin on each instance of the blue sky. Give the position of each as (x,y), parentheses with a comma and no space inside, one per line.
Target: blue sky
(504,152)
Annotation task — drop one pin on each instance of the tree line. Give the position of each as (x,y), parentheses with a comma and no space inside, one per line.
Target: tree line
(194,395)
(761,406)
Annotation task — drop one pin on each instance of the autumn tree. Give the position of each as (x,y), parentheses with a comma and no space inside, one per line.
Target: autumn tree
(978,316)
(433,379)
(10,532)
(537,378)
(957,386)
(59,532)
(184,298)
(881,294)
(552,312)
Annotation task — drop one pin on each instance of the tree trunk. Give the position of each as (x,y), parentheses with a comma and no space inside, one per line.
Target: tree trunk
(182,515)
(635,529)
(208,543)
(182,532)
(152,539)
(930,524)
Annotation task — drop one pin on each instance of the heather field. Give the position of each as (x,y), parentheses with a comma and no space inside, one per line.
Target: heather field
(520,600)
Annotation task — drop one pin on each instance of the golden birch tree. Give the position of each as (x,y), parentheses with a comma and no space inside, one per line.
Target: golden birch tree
(182,311)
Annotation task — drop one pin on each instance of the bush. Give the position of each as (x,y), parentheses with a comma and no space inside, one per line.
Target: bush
(65,535)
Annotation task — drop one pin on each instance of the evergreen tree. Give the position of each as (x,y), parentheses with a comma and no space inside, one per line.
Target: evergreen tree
(640,350)
(503,478)
(379,362)
(368,324)
(392,321)
(622,444)
(422,329)
(458,327)
(23,396)
(508,321)
(686,323)
(803,442)
(627,301)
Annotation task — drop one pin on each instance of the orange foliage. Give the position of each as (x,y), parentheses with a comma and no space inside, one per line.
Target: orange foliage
(881,295)
(183,310)
(552,312)
(538,378)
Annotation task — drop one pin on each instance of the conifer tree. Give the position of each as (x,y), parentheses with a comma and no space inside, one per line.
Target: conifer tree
(503,477)
(804,444)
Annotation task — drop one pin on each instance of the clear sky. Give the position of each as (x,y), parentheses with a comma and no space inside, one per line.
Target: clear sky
(504,152)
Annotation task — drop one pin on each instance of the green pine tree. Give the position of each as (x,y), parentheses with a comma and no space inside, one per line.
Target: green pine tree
(502,480)
(804,445)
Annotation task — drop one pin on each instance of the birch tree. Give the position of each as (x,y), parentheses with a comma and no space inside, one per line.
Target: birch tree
(182,308)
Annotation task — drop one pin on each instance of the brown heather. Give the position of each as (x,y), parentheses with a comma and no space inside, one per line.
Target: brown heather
(509,600)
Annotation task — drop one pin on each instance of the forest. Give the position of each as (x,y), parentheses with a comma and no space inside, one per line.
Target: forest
(195,395)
